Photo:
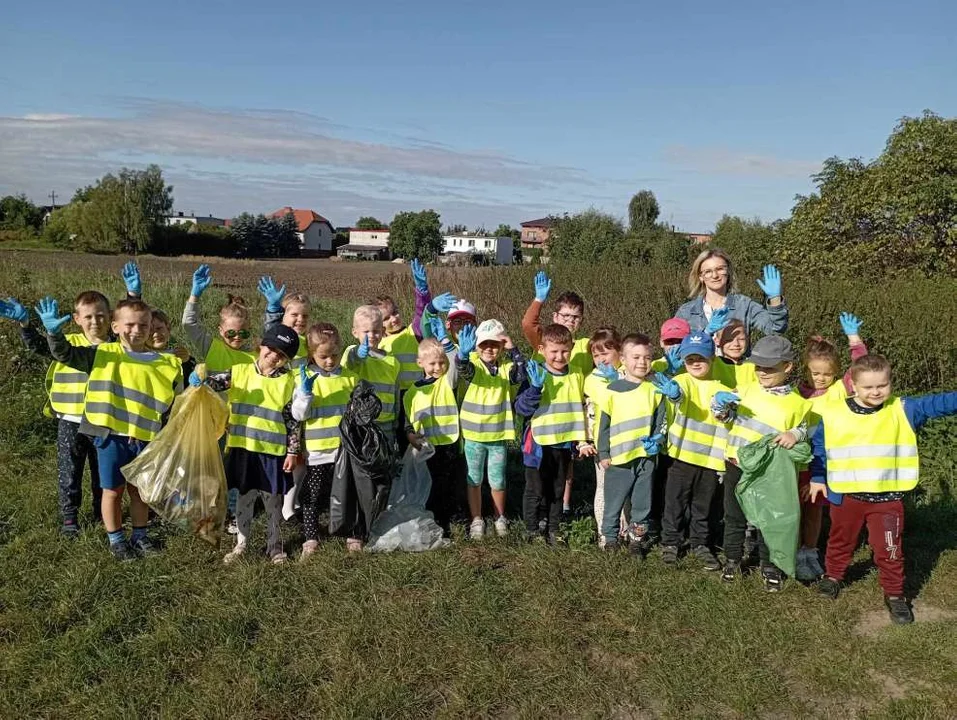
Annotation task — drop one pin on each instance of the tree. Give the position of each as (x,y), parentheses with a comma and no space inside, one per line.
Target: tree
(416,234)
(751,243)
(258,236)
(18,213)
(589,236)
(643,211)
(367,222)
(456,229)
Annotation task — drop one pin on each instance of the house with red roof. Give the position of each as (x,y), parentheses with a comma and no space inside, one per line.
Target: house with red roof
(536,233)
(316,234)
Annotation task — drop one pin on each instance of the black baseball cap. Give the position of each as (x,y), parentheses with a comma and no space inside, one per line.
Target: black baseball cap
(281,339)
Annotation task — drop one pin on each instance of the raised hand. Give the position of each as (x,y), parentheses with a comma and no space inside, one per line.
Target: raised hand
(363,351)
(850,324)
(49,313)
(536,373)
(11,309)
(724,400)
(719,321)
(437,326)
(467,341)
(306,380)
(444,302)
(202,279)
(770,284)
(273,295)
(673,358)
(543,286)
(194,379)
(666,386)
(131,277)
(652,445)
(606,372)
(418,275)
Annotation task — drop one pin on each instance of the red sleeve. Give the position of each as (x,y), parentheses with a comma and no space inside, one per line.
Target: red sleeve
(531,325)
(858,350)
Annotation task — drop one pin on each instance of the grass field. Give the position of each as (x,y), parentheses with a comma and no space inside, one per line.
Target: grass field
(497,629)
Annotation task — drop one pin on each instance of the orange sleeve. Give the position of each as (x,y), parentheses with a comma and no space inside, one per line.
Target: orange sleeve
(531,325)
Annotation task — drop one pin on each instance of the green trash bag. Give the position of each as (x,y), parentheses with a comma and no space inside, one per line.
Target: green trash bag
(768,495)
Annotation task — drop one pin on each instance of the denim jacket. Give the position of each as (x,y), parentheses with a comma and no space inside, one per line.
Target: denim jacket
(769,320)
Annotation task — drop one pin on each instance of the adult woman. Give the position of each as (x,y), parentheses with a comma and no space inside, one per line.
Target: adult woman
(711,285)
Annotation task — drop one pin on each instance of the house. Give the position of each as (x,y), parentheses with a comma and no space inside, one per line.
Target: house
(182,218)
(536,233)
(699,238)
(316,234)
(498,249)
(366,245)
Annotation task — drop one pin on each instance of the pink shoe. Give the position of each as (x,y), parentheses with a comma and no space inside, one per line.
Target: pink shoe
(354,545)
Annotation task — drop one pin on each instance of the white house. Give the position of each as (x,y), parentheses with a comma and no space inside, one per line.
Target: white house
(316,234)
(366,244)
(499,249)
(181,218)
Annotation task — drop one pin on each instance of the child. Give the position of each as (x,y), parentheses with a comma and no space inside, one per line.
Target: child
(731,367)
(696,443)
(263,436)
(631,427)
(370,363)
(160,336)
(432,417)
(402,341)
(128,393)
(673,331)
(555,404)
(230,346)
(486,417)
(866,459)
(289,310)
(321,396)
(772,405)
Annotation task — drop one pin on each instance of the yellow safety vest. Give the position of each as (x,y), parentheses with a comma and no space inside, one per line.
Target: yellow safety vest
(221,357)
(382,374)
(630,414)
(256,403)
(404,347)
(330,395)
(130,396)
(734,376)
(66,386)
(837,393)
(432,412)
(694,435)
(579,361)
(870,453)
(762,413)
(487,406)
(560,417)
(596,390)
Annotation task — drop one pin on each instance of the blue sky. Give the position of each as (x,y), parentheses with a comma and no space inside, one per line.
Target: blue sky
(488,112)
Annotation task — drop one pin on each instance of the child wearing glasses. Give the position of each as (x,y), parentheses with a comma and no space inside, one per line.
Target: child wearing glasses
(230,345)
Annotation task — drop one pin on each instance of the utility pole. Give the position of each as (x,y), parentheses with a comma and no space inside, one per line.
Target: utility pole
(53,199)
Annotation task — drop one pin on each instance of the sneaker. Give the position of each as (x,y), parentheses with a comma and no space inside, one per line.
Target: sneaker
(477,529)
(803,570)
(501,526)
(234,554)
(900,611)
(732,568)
(773,579)
(144,547)
(542,525)
(122,552)
(829,587)
(611,546)
(308,549)
(669,554)
(231,527)
(708,561)
(279,558)
(70,530)
(354,545)
(814,562)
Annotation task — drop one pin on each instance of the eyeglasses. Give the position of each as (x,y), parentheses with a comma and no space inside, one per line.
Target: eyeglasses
(569,317)
(241,334)
(715,272)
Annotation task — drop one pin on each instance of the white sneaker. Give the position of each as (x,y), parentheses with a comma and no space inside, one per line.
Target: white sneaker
(234,554)
(803,570)
(814,562)
(232,528)
(477,529)
(501,526)
(309,549)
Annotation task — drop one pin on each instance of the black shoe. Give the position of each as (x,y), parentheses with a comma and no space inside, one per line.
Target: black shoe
(732,568)
(669,554)
(122,552)
(708,561)
(829,587)
(611,547)
(70,530)
(144,547)
(900,611)
(773,579)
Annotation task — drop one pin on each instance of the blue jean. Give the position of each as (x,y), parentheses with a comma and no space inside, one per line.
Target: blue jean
(632,480)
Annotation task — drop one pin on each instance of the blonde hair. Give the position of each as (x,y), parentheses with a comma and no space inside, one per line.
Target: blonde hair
(235,307)
(295,299)
(367,312)
(430,347)
(696,286)
(322,333)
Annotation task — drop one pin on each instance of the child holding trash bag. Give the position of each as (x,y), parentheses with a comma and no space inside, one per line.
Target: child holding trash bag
(371,364)
(263,438)
(322,393)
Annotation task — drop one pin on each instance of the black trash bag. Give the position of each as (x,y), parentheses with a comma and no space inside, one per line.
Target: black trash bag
(364,466)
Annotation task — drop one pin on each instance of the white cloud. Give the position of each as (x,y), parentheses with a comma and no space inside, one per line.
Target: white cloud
(724,161)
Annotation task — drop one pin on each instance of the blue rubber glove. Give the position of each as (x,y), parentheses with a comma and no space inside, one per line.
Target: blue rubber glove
(536,374)
(306,379)
(194,379)
(444,302)
(771,283)
(723,400)
(49,313)
(543,286)
(418,275)
(131,276)
(850,324)
(467,341)
(606,372)
(674,360)
(202,279)
(719,321)
(273,295)
(437,326)
(666,386)
(11,309)
(363,349)
(652,445)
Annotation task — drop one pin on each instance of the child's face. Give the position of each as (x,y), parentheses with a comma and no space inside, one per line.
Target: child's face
(697,366)
(234,331)
(326,356)
(159,335)
(93,320)
(872,388)
(133,328)
(774,376)
(434,365)
(570,317)
(363,326)
(607,355)
(270,360)
(556,354)
(490,350)
(456,324)
(296,317)
(822,373)
(637,361)
(734,343)
(391,318)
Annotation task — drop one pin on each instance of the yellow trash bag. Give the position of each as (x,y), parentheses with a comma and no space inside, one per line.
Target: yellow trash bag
(180,474)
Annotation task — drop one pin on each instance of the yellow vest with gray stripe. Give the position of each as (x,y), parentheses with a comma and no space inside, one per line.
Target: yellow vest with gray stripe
(763,413)
(694,435)
(382,374)
(486,414)
(870,453)
(66,387)
(560,417)
(221,357)
(432,412)
(330,395)
(579,361)
(630,415)
(404,347)
(130,396)
(256,403)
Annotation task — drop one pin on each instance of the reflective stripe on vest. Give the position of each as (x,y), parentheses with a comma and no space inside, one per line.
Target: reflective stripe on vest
(630,414)
(127,395)
(382,374)
(256,406)
(66,387)
(486,414)
(330,395)
(560,417)
(404,347)
(432,412)
(763,413)
(221,357)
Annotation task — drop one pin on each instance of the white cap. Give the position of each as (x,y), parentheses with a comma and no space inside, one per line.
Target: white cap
(462,307)
(489,330)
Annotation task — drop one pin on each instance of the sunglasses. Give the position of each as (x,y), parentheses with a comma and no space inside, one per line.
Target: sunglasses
(241,334)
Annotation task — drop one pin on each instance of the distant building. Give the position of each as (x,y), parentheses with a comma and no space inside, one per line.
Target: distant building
(181,218)
(366,245)
(536,233)
(498,249)
(316,234)
(699,238)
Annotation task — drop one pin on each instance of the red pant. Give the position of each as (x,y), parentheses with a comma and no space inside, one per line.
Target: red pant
(885,525)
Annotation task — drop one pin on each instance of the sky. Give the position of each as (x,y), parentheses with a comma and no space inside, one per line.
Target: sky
(491,112)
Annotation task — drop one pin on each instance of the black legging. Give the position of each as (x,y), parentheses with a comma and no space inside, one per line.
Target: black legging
(314,497)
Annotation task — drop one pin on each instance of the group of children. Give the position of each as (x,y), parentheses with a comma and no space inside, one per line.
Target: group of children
(663,434)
